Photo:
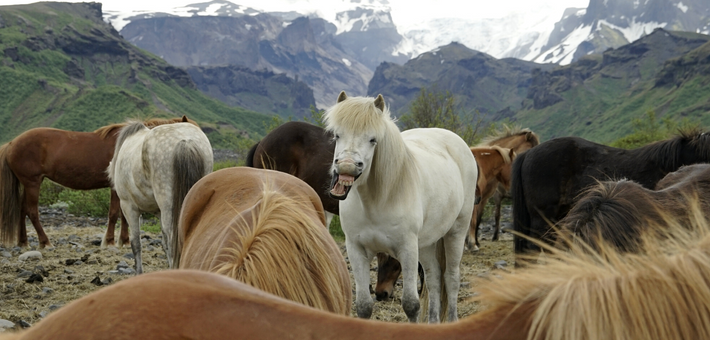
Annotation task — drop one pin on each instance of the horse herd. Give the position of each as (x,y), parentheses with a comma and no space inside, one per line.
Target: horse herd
(610,243)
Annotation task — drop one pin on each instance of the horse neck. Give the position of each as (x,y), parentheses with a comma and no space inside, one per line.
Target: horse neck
(392,172)
(646,159)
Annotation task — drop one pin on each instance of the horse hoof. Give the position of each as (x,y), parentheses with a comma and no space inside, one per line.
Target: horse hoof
(474,249)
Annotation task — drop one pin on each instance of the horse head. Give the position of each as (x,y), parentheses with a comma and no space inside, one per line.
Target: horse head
(357,124)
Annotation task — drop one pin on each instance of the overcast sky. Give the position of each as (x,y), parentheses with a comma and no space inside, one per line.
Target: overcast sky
(404,12)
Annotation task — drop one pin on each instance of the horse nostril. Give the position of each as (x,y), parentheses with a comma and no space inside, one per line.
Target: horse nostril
(382,296)
(360,164)
(335,161)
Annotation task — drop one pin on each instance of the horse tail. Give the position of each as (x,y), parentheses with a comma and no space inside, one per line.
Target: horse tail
(189,167)
(10,199)
(281,235)
(250,155)
(521,215)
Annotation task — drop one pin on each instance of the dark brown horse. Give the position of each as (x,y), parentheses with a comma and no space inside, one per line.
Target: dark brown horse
(76,160)
(300,149)
(619,212)
(548,178)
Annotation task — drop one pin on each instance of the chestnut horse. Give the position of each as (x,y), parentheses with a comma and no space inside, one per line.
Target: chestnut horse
(660,293)
(494,165)
(519,140)
(618,212)
(548,178)
(267,229)
(76,160)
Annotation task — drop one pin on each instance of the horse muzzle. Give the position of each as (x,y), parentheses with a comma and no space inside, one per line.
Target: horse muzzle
(344,175)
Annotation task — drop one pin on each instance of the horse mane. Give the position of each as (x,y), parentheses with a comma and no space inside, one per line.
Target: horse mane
(284,241)
(507,131)
(661,292)
(668,152)
(130,129)
(396,168)
(104,131)
(611,211)
(503,153)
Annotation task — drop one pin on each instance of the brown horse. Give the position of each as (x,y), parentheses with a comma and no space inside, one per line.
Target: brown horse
(494,165)
(519,140)
(267,229)
(660,293)
(77,160)
(618,212)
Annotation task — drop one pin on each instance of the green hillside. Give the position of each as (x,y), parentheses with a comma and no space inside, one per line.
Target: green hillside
(62,66)
(598,96)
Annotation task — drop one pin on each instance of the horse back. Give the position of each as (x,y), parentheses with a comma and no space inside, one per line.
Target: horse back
(77,160)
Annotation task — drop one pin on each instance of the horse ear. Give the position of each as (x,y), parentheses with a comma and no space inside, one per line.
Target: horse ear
(342,96)
(184,119)
(512,154)
(380,102)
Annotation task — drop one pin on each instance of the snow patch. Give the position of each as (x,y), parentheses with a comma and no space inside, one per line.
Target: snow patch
(247,26)
(347,62)
(635,30)
(211,10)
(682,7)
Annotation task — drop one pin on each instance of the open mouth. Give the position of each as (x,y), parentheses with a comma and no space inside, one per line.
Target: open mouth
(340,186)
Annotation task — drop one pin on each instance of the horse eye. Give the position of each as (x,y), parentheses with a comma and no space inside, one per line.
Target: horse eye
(336,137)
(373,141)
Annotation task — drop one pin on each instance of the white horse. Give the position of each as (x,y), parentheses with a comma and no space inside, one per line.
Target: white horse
(152,170)
(401,193)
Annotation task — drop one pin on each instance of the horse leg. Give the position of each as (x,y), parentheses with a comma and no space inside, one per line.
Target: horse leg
(133,216)
(453,251)
(31,209)
(432,279)
(473,229)
(113,211)
(328,219)
(123,238)
(166,223)
(498,199)
(409,259)
(360,263)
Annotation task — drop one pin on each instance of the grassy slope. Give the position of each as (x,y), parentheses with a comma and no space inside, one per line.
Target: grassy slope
(602,108)
(119,81)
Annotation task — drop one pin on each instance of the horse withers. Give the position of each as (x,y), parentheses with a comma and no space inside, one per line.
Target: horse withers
(267,229)
(400,194)
(152,170)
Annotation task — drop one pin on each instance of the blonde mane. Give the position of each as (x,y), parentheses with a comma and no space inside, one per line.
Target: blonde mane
(503,153)
(507,131)
(661,292)
(104,131)
(285,242)
(393,168)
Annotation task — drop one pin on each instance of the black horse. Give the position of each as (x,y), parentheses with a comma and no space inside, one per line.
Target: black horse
(548,178)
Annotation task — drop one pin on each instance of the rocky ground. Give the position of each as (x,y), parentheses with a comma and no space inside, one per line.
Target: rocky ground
(35,282)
